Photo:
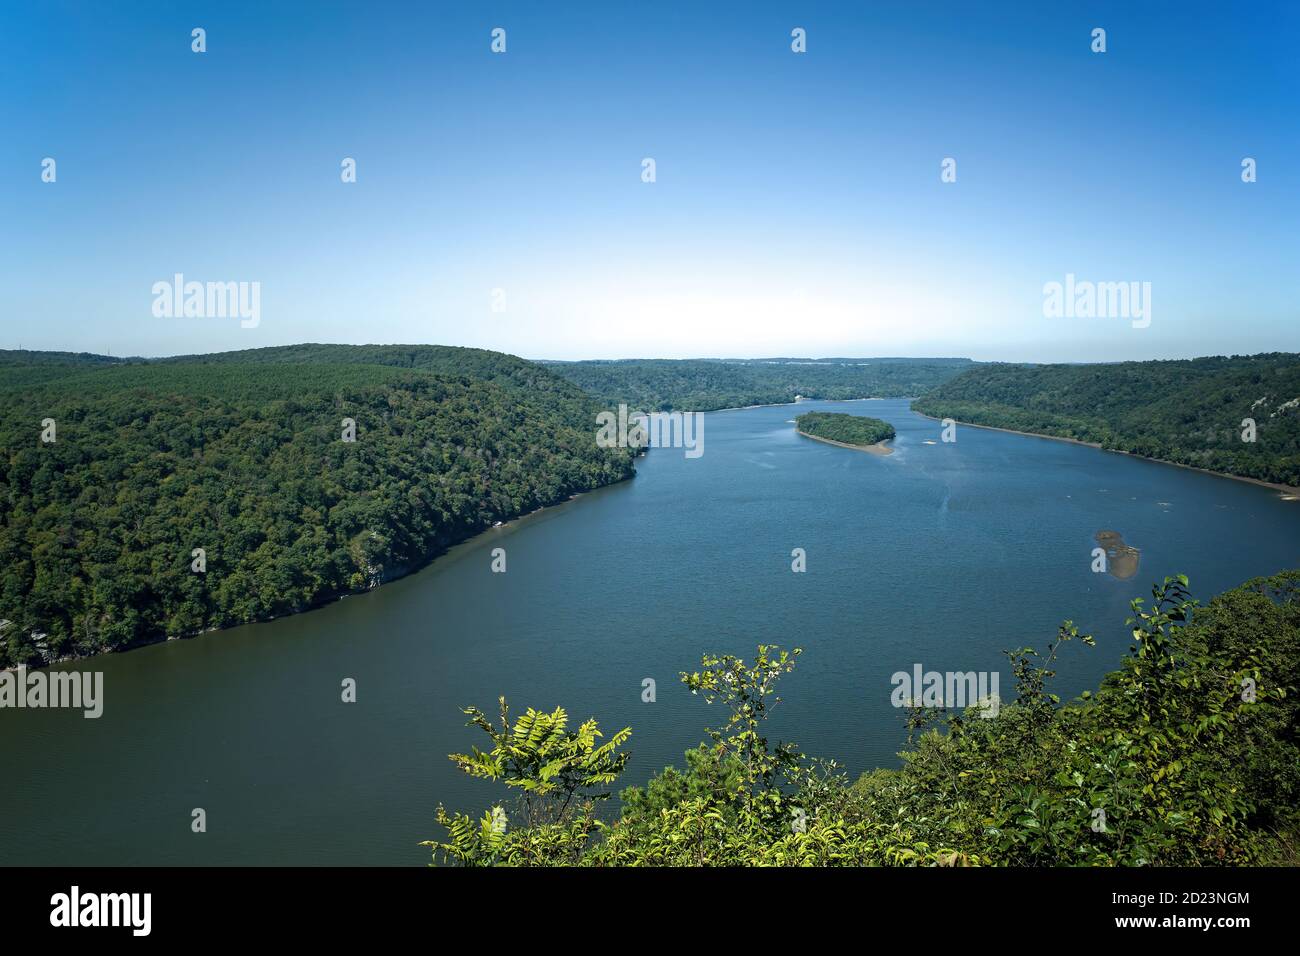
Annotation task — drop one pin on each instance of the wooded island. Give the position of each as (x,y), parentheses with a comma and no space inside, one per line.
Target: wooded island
(854,431)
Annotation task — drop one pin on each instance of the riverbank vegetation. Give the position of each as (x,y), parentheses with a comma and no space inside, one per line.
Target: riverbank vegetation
(1196,412)
(703,385)
(1187,755)
(243,455)
(846,429)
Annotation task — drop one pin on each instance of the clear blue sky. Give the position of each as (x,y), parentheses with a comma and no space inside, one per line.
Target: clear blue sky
(797,210)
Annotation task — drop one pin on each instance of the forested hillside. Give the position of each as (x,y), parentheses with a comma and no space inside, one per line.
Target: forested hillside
(1187,755)
(533,380)
(21,367)
(1190,412)
(242,455)
(702,385)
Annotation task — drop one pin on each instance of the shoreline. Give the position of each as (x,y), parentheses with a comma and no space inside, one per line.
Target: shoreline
(1286,490)
(879,448)
(404,571)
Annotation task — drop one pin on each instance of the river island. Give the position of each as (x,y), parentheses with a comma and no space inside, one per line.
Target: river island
(847,431)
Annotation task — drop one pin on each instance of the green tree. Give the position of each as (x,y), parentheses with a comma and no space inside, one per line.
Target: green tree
(552,767)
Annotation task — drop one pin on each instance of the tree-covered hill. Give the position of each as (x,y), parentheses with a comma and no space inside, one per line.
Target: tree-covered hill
(848,429)
(1190,412)
(1187,755)
(22,367)
(473,364)
(243,456)
(702,385)
(24,358)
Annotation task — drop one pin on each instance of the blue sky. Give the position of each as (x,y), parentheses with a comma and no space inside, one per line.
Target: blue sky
(797,207)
